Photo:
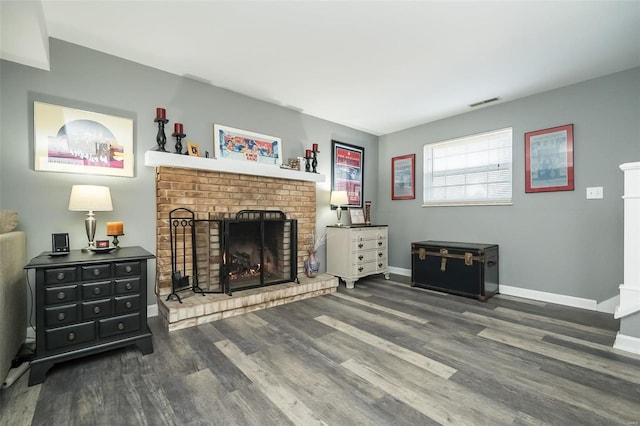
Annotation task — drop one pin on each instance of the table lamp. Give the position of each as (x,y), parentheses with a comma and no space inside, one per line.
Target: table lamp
(338,199)
(90,198)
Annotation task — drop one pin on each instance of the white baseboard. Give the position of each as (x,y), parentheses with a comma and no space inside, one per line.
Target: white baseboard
(152,310)
(607,306)
(627,343)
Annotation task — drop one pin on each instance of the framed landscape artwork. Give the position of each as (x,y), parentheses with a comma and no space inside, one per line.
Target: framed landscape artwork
(77,141)
(549,159)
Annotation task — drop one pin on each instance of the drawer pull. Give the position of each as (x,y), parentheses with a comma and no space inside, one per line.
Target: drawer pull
(491,264)
(61,295)
(120,326)
(96,310)
(380,243)
(380,265)
(60,276)
(360,269)
(128,305)
(97,290)
(61,316)
(96,272)
(380,254)
(360,245)
(128,286)
(360,257)
(71,337)
(128,269)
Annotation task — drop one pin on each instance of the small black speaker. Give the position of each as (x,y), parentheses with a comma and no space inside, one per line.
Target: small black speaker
(59,243)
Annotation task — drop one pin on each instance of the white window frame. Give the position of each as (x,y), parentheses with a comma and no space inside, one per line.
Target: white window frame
(461,171)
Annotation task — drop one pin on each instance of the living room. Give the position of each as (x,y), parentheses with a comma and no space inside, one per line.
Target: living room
(555,247)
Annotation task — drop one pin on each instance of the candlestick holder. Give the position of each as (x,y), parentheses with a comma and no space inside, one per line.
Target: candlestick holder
(307,164)
(179,137)
(115,241)
(314,161)
(161,138)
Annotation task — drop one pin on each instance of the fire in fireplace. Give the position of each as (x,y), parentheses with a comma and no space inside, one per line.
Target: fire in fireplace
(254,248)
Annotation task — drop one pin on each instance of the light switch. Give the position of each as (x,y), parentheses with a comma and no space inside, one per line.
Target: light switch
(595,193)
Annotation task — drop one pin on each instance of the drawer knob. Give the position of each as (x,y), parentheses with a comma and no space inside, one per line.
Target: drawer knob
(380,243)
(380,265)
(128,286)
(97,290)
(360,257)
(96,272)
(96,310)
(71,337)
(61,316)
(380,254)
(128,305)
(61,295)
(360,245)
(60,276)
(120,326)
(128,268)
(360,269)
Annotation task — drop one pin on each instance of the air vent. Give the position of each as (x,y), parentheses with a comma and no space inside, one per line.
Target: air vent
(486,101)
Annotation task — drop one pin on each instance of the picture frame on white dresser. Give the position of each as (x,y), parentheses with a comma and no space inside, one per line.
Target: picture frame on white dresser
(356,216)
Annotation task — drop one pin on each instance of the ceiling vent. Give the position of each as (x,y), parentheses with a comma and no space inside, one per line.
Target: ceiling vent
(486,101)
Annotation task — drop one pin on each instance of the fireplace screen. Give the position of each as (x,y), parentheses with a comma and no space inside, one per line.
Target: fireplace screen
(254,248)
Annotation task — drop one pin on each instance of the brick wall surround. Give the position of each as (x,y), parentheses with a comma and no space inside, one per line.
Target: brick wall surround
(220,193)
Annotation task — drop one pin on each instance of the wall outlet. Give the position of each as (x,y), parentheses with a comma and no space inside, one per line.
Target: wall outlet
(595,193)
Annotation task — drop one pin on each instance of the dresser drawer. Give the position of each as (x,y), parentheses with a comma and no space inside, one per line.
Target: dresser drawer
(59,275)
(96,272)
(95,290)
(60,315)
(70,335)
(96,309)
(62,294)
(127,269)
(125,304)
(119,325)
(128,286)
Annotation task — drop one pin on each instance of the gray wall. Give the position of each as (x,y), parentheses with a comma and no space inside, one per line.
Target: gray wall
(557,242)
(80,77)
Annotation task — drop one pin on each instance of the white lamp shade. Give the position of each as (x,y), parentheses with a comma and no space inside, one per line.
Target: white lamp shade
(339,198)
(90,197)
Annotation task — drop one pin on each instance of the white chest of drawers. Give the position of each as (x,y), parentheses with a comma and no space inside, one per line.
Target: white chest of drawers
(354,252)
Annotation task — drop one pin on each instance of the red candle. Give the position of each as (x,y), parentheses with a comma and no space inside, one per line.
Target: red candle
(315,147)
(177,128)
(308,153)
(161,113)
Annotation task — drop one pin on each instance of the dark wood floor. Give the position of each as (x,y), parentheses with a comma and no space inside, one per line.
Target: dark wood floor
(383,354)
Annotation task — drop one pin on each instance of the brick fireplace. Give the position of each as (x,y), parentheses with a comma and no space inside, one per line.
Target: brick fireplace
(211,193)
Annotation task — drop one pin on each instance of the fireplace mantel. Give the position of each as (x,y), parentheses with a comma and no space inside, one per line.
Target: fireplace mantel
(167,159)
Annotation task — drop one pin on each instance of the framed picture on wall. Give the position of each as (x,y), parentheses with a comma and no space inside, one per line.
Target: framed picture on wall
(243,145)
(403,177)
(549,159)
(347,171)
(79,141)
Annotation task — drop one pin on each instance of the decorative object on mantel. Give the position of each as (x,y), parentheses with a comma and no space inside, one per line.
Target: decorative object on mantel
(314,162)
(367,212)
(307,159)
(193,149)
(178,133)
(338,199)
(115,230)
(243,145)
(161,119)
(90,198)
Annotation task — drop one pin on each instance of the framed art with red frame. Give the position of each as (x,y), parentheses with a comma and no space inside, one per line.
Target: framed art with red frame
(549,159)
(403,177)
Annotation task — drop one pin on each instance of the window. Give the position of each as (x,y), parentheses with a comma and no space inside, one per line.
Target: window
(472,170)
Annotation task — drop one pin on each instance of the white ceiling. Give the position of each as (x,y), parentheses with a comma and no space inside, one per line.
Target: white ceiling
(377,66)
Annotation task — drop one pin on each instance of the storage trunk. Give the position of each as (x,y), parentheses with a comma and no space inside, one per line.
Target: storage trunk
(467,269)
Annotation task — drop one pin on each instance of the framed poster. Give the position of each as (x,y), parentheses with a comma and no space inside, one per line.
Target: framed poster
(549,159)
(347,171)
(243,145)
(403,177)
(77,141)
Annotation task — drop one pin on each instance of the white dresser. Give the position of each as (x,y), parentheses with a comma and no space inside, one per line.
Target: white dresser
(354,252)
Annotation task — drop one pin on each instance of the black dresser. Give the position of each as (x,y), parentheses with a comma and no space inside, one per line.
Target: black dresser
(88,303)
(466,269)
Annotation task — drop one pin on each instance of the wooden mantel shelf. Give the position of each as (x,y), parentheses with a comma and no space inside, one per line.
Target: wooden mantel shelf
(167,159)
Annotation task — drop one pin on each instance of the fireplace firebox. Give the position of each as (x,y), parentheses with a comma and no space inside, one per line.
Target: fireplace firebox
(253,248)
